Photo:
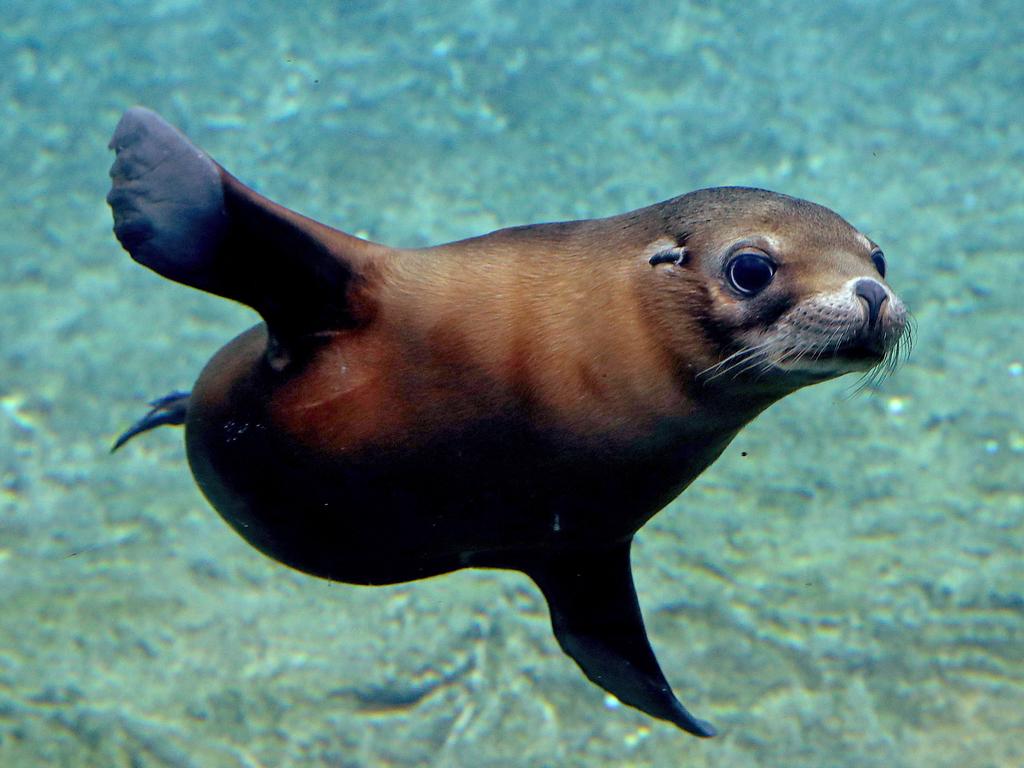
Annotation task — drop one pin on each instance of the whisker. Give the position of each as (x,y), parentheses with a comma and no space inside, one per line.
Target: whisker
(898,351)
(776,356)
(736,358)
(834,340)
(754,361)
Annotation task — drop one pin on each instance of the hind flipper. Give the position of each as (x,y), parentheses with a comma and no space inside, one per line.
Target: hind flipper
(597,620)
(182,215)
(169,409)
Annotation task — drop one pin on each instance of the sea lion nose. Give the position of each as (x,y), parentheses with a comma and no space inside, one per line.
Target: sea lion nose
(874,295)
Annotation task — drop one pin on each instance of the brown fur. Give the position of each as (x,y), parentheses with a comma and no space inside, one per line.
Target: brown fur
(536,347)
(526,399)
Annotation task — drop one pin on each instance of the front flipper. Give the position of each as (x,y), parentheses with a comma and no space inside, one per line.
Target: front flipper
(182,215)
(169,409)
(597,621)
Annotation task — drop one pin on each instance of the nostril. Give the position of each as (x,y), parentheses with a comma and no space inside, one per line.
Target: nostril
(874,296)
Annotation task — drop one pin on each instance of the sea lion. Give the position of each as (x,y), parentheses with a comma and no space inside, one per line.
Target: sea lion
(527,399)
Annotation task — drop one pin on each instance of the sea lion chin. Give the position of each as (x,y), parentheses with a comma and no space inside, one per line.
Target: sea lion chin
(527,399)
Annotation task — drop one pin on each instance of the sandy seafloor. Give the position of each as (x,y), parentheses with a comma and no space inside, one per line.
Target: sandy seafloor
(850,593)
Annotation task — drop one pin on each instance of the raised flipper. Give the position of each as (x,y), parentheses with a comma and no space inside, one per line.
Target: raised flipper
(597,620)
(169,409)
(179,213)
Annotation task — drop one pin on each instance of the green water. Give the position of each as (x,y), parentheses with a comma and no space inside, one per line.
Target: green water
(849,593)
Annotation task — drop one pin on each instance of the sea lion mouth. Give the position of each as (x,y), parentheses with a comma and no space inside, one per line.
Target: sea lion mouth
(806,348)
(868,348)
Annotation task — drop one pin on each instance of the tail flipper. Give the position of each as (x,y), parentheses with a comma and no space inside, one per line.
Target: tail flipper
(597,621)
(179,213)
(169,409)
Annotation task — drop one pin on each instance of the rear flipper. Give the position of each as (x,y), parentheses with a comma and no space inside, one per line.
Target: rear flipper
(169,409)
(597,621)
(179,213)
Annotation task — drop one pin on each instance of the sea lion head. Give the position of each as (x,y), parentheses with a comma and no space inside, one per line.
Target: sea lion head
(779,292)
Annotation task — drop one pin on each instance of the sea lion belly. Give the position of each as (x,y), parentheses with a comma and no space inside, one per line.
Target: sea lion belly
(348,470)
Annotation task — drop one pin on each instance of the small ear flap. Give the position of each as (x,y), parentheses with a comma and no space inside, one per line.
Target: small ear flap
(179,213)
(597,620)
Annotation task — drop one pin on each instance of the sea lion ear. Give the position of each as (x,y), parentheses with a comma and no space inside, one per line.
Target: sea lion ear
(182,215)
(677,255)
(597,620)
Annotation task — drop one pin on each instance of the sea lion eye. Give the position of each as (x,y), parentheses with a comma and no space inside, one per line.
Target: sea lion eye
(750,273)
(878,259)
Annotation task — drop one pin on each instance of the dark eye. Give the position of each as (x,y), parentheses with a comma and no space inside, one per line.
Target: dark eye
(750,273)
(878,259)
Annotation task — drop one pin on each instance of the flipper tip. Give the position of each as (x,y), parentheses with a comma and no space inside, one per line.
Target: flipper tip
(169,409)
(166,196)
(701,728)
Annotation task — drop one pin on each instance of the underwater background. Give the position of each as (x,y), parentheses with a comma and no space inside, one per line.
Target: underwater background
(850,592)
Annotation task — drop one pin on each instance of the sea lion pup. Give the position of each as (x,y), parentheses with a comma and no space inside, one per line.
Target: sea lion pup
(527,399)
